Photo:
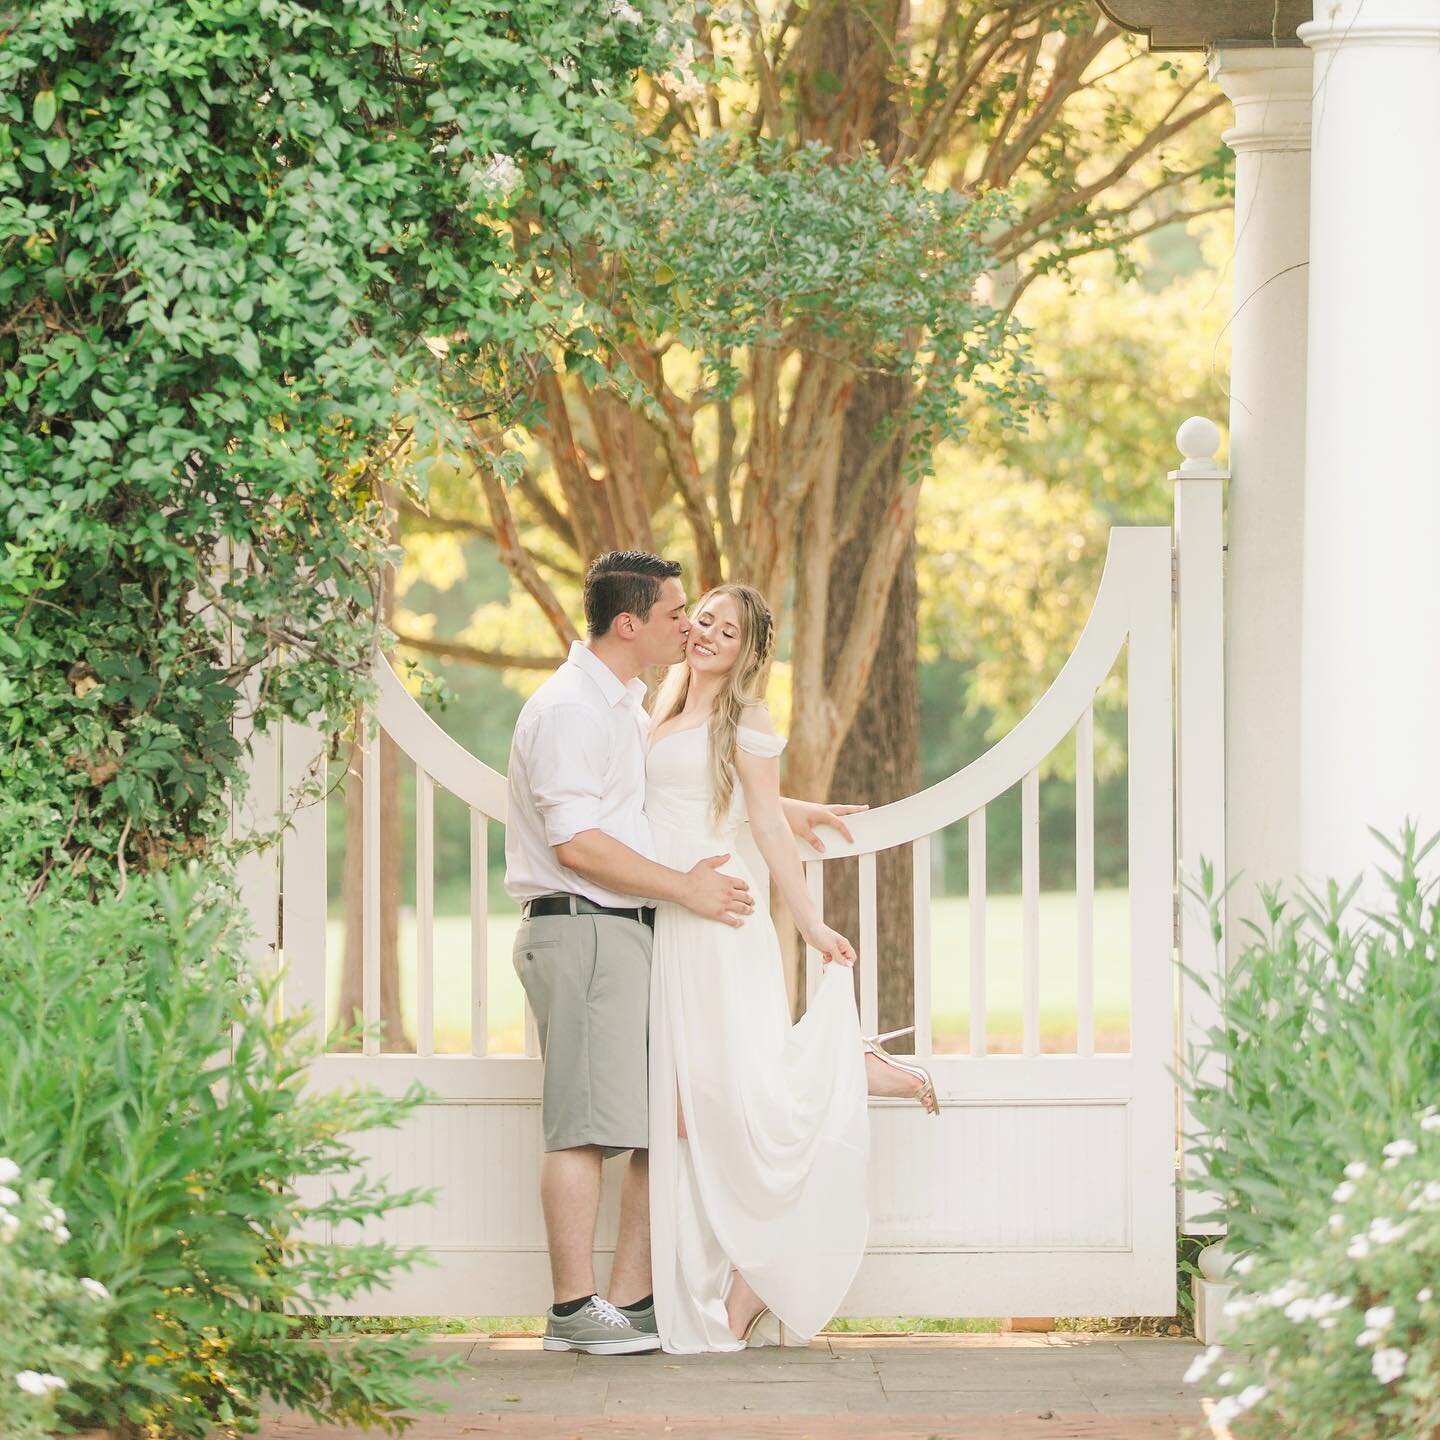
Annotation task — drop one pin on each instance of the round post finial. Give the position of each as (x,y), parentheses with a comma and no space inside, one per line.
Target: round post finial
(1198,440)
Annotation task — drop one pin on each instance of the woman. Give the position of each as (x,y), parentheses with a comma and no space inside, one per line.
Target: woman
(759,1134)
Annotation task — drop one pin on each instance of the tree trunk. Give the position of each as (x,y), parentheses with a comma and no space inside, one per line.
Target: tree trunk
(879,760)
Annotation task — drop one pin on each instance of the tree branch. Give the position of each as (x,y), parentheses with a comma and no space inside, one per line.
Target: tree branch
(515,557)
(496,659)
(1069,200)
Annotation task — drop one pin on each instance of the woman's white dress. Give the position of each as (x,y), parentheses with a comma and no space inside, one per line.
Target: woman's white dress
(771,1180)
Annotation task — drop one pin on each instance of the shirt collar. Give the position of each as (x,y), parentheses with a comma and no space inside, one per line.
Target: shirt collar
(611,686)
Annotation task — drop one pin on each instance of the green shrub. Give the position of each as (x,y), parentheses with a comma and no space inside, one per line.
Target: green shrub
(225,232)
(140,1069)
(51,1333)
(1338,1331)
(1324,1151)
(1328,1047)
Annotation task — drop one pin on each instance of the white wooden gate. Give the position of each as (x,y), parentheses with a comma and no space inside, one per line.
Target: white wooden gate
(1047,1185)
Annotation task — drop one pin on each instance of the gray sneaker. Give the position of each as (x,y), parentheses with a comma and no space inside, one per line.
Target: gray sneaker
(598,1328)
(643,1320)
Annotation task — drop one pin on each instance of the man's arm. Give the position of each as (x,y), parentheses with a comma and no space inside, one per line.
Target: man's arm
(614,865)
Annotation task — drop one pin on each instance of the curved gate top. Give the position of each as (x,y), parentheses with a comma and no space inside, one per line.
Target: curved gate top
(1048,1184)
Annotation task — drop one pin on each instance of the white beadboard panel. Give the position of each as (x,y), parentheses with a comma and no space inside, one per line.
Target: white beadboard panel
(1001,1177)
(484,1163)
(1009,1282)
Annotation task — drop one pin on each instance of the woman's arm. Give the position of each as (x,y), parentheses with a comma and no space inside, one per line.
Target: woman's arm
(759,777)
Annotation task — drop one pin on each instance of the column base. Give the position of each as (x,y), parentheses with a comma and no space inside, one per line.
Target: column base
(1210,1297)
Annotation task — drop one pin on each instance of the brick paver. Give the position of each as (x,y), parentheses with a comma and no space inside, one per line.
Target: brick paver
(953,1387)
(751,1426)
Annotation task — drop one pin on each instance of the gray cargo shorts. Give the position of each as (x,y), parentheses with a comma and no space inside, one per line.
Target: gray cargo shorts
(587,978)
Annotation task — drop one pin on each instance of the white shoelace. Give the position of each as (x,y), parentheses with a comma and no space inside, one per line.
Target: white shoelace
(606,1313)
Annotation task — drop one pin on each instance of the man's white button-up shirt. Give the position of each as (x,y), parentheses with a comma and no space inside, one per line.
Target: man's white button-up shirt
(577,762)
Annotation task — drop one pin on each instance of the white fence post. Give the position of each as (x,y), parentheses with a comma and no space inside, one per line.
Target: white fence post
(1200,753)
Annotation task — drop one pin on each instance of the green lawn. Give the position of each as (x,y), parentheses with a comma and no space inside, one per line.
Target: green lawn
(950,966)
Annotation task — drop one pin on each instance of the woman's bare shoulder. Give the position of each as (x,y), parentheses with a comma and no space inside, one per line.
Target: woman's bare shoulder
(756,716)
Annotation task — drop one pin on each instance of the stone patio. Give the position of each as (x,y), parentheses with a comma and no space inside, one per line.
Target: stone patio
(916,1387)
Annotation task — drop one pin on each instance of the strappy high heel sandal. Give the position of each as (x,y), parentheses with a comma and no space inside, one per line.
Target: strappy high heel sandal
(764,1329)
(929,1101)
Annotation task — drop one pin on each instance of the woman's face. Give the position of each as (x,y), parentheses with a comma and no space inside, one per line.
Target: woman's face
(714,644)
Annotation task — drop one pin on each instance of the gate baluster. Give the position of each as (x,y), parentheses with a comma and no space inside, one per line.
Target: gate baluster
(1030,889)
(976,848)
(1085,882)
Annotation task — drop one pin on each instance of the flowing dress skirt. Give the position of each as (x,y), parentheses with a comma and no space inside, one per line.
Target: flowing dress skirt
(771,1180)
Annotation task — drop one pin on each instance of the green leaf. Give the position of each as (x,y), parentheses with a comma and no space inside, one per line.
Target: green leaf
(57,152)
(44,109)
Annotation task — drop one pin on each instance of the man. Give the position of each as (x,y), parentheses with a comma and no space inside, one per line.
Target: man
(577,858)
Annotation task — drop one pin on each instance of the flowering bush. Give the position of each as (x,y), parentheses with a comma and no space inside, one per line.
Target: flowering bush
(52,1326)
(1323,1146)
(1327,1049)
(1338,1334)
(140,1071)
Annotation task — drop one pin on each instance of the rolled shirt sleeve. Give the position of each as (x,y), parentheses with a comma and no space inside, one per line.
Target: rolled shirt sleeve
(567,758)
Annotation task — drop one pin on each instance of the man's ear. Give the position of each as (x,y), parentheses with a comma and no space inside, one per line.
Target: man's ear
(625,623)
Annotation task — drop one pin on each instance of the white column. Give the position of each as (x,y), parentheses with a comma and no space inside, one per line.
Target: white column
(1370,668)
(1270,90)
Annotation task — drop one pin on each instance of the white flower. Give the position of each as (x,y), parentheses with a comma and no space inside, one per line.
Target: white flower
(1318,1308)
(1355,1169)
(1430,1195)
(499,176)
(1425,1296)
(1200,1365)
(1396,1151)
(1244,1265)
(9,1170)
(1328,1322)
(1239,1306)
(61,1234)
(623,10)
(1369,1337)
(1343,1191)
(8,1196)
(1232,1407)
(1358,1248)
(94,1289)
(1380,1317)
(1388,1364)
(9,1226)
(1281,1295)
(1337,1224)
(32,1382)
(1430,1122)
(1225,1377)
(1382,1230)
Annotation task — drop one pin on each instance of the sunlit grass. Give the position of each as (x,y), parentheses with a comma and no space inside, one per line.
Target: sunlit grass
(950,975)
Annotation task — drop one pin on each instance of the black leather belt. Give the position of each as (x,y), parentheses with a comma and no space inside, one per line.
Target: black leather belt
(579,905)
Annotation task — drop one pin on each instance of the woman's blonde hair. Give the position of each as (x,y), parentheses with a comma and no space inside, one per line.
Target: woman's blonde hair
(744,685)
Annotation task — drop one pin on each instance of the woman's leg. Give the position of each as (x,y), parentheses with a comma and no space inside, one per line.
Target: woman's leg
(885,1080)
(742,1305)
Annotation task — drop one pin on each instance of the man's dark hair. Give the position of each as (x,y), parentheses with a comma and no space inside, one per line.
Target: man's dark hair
(622,582)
